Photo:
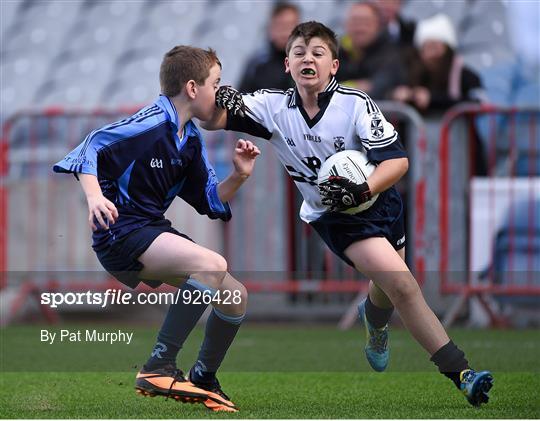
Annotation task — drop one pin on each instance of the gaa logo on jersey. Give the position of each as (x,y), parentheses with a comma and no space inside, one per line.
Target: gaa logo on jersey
(377,128)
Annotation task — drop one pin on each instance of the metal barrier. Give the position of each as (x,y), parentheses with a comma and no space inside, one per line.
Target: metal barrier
(489,206)
(44,215)
(44,238)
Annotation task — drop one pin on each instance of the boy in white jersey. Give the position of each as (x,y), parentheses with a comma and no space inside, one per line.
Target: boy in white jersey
(306,125)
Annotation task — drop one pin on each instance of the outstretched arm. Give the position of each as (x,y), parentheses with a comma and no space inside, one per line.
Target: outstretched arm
(245,154)
(217,122)
(227,99)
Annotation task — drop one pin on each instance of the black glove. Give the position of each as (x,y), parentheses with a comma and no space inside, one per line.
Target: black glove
(231,100)
(340,193)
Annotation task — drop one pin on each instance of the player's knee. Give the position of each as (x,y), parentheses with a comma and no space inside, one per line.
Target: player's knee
(404,289)
(219,265)
(239,299)
(234,300)
(243,298)
(215,269)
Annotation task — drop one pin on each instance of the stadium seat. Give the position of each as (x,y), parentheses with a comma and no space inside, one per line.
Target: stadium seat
(134,78)
(7,17)
(484,32)
(454,9)
(75,81)
(28,13)
(97,31)
(36,30)
(235,41)
(164,22)
(21,77)
(331,14)
(106,12)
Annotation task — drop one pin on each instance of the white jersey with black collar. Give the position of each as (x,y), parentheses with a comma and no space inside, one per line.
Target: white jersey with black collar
(348,119)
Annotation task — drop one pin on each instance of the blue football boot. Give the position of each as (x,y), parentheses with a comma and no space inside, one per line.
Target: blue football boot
(377,352)
(475,386)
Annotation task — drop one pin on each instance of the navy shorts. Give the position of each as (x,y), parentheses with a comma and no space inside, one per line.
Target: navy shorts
(120,259)
(383,219)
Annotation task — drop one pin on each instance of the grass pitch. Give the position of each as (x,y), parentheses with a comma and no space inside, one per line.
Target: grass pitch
(271,372)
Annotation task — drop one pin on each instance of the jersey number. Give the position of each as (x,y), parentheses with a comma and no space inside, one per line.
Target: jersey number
(314,165)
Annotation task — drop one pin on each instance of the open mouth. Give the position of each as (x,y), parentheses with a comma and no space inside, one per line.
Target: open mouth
(308,72)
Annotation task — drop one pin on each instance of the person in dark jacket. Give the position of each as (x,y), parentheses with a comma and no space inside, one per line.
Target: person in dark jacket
(266,69)
(367,56)
(400,30)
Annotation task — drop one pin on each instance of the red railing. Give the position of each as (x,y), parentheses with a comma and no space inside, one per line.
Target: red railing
(512,165)
(46,230)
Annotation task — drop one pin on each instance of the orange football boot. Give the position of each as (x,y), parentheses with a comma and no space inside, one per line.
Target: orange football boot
(169,381)
(215,393)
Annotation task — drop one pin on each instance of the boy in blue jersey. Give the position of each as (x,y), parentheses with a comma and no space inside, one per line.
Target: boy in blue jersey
(130,172)
(312,121)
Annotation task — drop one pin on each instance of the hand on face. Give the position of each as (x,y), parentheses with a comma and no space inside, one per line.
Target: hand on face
(231,100)
(203,96)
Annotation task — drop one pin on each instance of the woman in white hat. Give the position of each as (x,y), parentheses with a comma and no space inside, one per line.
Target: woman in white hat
(438,78)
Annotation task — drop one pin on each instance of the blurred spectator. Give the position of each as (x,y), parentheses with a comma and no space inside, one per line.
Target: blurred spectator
(400,31)
(439,79)
(266,69)
(368,60)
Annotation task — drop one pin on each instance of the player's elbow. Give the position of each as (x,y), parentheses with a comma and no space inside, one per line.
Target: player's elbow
(404,166)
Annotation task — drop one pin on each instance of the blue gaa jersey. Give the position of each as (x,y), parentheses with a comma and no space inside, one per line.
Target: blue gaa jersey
(142,165)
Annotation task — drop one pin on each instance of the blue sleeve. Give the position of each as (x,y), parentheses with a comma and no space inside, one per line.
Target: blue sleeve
(113,147)
(200,188)
(82,159)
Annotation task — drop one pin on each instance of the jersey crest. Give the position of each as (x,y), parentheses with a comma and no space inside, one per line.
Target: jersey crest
(339,143)
(377,128)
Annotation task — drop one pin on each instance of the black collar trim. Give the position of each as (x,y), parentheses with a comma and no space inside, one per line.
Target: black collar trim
(328,91)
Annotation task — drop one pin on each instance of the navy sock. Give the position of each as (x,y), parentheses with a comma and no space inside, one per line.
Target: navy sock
(377,317)
(178,324)
(451,362)
(220,332)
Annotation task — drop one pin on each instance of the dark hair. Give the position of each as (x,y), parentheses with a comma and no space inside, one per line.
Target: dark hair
(281,6)
(312,29)
(438,80)
(182,64)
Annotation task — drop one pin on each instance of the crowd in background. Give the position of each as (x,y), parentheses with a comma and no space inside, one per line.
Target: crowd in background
(392,58)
